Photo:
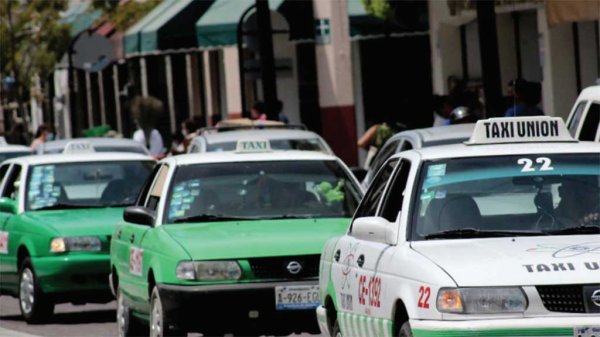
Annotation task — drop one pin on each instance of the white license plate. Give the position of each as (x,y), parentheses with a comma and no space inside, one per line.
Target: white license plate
(586,331)
(296,297)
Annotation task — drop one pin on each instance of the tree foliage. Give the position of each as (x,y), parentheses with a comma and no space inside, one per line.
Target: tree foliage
(127,14)
(378,8)
(32,39)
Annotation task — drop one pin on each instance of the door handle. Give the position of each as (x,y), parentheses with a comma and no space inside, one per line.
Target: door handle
(132,238)
(361,260)
(337,256)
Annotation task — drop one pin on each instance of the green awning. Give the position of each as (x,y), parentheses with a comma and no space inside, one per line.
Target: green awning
(132,38)
(218,26)
(149,33)
(79,18)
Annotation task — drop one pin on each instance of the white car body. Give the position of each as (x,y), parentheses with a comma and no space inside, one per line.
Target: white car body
(99,145)
(376,278)
(583,121)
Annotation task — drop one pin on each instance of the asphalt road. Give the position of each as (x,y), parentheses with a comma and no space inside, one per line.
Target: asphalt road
(90,320)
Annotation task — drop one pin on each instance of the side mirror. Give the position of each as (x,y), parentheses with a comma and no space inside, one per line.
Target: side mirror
(139,215)
(359,173)
(375,229)
(8,205)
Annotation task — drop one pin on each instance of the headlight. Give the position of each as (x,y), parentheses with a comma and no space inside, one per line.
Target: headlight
(76,244)
(208,270)
(481,300)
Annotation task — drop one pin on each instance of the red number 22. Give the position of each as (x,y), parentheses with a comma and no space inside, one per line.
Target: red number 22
(424,302)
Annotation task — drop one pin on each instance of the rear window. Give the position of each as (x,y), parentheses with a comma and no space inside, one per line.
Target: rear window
(279,144)
(590,124)
(574,124)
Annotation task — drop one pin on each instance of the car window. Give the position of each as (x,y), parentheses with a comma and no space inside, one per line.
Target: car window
(262,190)
(393,200)
(85,184)
(406,145)
(9,155)
(13,182)
(157,188)
(3,171)
(591,124)
(309,144)
(368,206)
(382,155)
(531,193)
(574,123)
(143,194)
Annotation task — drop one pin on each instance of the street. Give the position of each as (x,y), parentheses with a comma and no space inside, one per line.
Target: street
(91,320)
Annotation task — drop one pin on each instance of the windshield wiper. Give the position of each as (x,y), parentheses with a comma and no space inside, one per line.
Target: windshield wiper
(582,229)
(119,204)
(476,233)
(67,206)
(291,216)
(211,217)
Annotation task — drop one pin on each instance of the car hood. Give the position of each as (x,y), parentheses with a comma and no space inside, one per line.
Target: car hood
(255,238)
(78,222)
(516,261)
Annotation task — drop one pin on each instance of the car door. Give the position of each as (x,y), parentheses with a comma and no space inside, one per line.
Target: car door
(353,257)
(10,231)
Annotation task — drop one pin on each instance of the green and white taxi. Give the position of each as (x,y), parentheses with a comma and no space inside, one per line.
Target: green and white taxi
(57,213)
(230,237)
(499,236)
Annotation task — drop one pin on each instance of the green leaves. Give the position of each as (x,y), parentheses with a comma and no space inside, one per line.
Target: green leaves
(378,8)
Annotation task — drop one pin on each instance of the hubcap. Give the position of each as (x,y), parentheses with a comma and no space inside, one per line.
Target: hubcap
(122,311)
(26,291)
(156,323)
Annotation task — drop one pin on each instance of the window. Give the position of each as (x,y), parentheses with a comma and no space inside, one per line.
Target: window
(157,187)
(11,187)
(368,206)
(393,201)
(574,124)
(3,171)
(406,145)
(591,123)
(382,155)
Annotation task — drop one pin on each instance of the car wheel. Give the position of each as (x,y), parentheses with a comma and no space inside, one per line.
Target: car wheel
(405,330)
(159,323)
(336,332)
(35,306)
(127,325)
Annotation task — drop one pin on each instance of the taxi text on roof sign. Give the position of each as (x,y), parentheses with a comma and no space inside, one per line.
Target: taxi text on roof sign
(78,147)
(253,146)
(520,130)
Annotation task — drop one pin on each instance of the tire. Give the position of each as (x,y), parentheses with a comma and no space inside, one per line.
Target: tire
(127,325)
(405,330)
(35,306)
(159,322)
(336,332)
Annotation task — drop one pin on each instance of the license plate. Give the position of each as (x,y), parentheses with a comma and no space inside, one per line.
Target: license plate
(296,297)
(586,331)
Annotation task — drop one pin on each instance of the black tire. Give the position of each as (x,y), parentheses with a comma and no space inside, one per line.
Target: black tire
(336,332)
(405,330)
(159,322)
(35,306)
(127,325)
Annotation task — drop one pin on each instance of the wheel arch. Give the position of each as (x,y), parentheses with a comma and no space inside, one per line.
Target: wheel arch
(400,315)
(22,254)
(331,312)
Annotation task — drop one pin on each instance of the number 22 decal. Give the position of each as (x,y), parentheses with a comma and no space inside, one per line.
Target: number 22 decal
(528,164)
(424,292)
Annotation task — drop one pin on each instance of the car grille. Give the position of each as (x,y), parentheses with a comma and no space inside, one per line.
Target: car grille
(279,267)
(563,298)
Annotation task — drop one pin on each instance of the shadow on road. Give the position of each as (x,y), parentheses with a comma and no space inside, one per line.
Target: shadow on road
(82,317)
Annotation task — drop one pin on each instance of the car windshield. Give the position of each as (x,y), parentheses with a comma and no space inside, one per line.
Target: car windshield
(538,194)
(276,144)
(261,190)
(132,149)
(87,184)
(8,155)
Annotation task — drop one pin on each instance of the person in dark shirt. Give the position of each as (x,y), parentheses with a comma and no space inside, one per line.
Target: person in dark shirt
(526,96)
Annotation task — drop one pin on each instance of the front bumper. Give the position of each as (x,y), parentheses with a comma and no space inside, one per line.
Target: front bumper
(535,326)
(75,277)
(249,308)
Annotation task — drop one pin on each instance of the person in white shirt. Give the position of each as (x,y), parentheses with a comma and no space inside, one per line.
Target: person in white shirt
(155,145)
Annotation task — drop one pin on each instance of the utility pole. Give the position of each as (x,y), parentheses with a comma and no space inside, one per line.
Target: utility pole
(267,60)
(490,62)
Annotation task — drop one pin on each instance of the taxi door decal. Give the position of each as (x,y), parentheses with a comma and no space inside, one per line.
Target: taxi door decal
(3,242)
(136,257)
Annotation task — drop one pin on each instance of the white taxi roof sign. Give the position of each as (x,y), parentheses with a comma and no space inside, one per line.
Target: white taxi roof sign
(520,130)
(255,145)
(78,147)
(3,141)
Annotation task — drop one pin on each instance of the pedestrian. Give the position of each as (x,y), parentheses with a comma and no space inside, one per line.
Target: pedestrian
(258,111)
(373,139)
(441,110)
(189,130)
(146,111)
(281,116)
(178,144)
(41,136)
(526,95)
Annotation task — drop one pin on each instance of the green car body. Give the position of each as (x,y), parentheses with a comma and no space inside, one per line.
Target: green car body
(77,274)
(147,249)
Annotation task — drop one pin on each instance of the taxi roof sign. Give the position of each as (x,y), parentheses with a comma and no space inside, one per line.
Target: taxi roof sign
(520,130)
(256,145)
(78,147)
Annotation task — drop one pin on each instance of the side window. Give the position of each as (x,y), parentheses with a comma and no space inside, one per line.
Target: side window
(143,195)
(574,124)
(395,196)
(591,123)
(406,146)
(386,151)
(368,206)
(3,171)
(12,182)
(157,187)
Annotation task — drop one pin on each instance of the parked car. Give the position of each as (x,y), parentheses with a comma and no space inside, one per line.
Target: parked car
(99,145)
(584,119)
(8,151)
(416,139)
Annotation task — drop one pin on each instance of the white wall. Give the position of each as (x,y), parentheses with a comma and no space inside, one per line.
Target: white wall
(445,47)
(588,55)
(530,47)
(232,80)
